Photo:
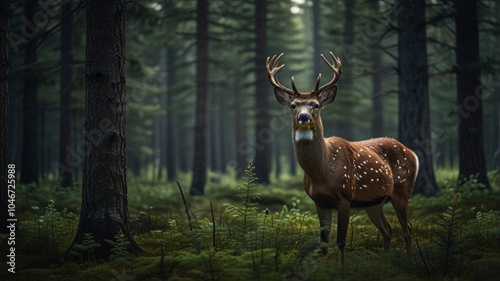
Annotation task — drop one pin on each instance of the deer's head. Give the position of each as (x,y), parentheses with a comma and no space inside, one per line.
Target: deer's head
(305,106)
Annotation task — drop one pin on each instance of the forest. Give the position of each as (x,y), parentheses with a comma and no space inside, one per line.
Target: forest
(147,139)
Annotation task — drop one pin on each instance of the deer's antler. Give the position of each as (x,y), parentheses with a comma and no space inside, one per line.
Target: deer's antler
(272,70)
(336,67)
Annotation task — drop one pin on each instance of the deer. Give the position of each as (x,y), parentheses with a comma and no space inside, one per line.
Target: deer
(344,175)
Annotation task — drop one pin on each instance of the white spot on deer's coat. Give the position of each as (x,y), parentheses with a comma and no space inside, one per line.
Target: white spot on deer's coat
(303,135)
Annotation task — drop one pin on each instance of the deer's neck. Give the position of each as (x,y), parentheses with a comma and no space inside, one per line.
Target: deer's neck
(311,151)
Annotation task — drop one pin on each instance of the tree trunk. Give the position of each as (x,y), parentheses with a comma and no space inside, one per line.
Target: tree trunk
(5,14)
(239,129)
(104,211)
(65,140)
(496,155)
(316,37)
(376,56)
(277,159)
(293,161)
(171,80)
(200,129)
(345,125)
(215,136)
(263,133)
(470,130)
(413,98)
(223,136)
(162,153)
(29,154)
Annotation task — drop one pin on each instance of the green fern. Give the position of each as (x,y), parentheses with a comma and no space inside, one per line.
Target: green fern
(119,248)
(247,215)
(448,233)
(87,247)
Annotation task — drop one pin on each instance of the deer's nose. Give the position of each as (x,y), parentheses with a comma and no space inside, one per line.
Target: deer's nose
(304,117)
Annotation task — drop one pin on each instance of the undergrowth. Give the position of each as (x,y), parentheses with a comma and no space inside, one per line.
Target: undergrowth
(255,232)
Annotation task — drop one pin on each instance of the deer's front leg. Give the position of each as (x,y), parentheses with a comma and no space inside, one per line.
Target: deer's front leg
(325,222)
(343,223)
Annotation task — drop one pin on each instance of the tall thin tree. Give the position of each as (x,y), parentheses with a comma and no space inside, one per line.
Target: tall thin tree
(471,156)
(413,97)
(5,14)
(171,82)
(104,210)
(66,74)
(316,18)
(377,105)
(345,127)
(263,133)
(30,148)
(200,128)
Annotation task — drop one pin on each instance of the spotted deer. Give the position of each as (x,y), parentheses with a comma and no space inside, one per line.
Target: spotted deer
(344,175)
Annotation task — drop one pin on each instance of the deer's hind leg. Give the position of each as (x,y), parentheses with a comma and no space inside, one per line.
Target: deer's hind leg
(377,216)
(400,204)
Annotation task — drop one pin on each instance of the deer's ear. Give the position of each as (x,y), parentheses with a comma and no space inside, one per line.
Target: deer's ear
(283,97)
(328,95)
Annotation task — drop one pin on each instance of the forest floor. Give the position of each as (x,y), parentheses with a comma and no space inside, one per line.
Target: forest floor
(243,231)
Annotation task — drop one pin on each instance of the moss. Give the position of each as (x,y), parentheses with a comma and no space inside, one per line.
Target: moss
(281,243)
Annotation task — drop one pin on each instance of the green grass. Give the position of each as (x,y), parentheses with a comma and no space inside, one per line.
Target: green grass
(456,235)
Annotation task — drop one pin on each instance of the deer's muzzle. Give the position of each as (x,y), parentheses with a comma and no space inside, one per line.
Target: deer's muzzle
(304,118)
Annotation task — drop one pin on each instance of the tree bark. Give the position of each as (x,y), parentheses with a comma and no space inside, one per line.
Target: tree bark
(316,37)
(413,98)
(263,133)
(347,104)
(239,129)
(5,14)
(30,149)
(65,140)
(171,81)
(471,155)
(104,211)
(200,130)
(376,56)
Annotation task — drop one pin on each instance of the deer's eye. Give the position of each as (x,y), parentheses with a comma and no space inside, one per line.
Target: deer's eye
(293,106)
(316,106)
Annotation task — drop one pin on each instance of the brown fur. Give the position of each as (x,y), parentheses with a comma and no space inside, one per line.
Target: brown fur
(341,175)
(360,174)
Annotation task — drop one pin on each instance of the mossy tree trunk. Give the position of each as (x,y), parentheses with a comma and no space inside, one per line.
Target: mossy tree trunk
(471,157)
(263,133)
(30,147)
(413,97)
(66,74)
(200,128)
(104,211)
